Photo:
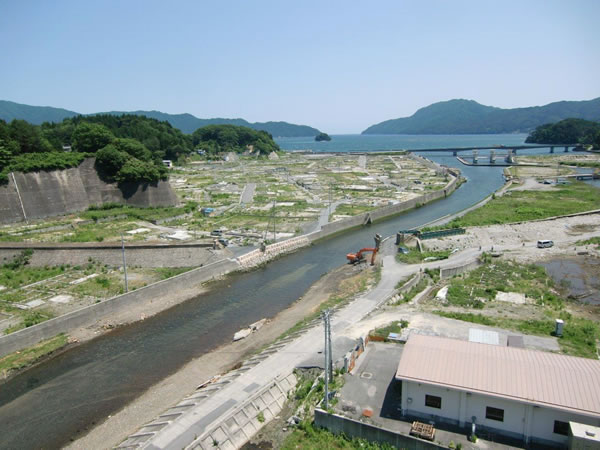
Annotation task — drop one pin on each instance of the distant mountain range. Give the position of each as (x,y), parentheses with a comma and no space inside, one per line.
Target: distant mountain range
(470,117)
(185,122)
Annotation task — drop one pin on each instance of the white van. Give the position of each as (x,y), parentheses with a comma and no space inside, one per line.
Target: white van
(545,243)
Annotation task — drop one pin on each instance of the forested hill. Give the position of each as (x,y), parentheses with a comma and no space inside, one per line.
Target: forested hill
(470,117)
(189,123)
(566,132)
(185,122)
(33,114)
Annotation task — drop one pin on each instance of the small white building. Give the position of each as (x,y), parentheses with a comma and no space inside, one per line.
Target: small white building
(519,393)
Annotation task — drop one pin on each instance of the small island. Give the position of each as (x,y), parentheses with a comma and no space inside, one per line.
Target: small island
(322,137)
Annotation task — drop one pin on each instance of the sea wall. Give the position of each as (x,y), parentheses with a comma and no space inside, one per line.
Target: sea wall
(90,315)
(37,195)
(144,255)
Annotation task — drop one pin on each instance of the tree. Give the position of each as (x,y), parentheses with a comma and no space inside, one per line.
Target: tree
(133,148)
(91,137)
(28,137)
(109,160)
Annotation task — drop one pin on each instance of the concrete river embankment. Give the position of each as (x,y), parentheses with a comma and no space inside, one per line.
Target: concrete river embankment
(55,401)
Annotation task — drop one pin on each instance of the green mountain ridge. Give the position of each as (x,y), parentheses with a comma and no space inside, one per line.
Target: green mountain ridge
(461,116)
(185,122)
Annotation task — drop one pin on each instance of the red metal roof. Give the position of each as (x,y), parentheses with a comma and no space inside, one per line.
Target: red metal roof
(541,378)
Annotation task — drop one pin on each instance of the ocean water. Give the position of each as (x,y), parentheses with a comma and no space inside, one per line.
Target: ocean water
(366,143)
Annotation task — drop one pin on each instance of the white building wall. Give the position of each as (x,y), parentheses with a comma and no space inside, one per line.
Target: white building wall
(543,423)
(520,419)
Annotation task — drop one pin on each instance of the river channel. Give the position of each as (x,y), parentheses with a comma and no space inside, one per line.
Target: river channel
(56,401)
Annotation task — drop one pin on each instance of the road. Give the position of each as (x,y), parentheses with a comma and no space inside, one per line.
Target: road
(247,196)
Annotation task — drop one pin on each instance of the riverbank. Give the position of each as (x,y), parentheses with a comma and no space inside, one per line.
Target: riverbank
(169,391)
(93,317)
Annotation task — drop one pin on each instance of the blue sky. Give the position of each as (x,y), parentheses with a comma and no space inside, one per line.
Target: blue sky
(337,65)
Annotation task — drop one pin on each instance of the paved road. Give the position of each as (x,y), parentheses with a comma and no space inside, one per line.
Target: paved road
(248,194)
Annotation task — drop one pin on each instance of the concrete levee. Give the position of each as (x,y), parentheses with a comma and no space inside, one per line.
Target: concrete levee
(257,257)
(386,211)
(145,255)
(37,195)
(354,429)
(89,315)
(451,271)
(247,419)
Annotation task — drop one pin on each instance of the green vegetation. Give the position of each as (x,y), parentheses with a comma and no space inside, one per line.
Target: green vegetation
(28,356)
(112,210)
(168,272)
(415,257)
(482,284)
(470,117)
(215,139)
(579,335)
(29,319)
(591,241)
(568,131)
(419,287)
(517,206)
(128,147)
(309,437)
(394,327)
(322,137)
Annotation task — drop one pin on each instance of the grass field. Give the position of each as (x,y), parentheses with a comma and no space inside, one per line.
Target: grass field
(517,206)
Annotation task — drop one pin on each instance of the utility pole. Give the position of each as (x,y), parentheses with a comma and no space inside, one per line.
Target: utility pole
(124,262)
(330,353)
(273,219)
(325,315)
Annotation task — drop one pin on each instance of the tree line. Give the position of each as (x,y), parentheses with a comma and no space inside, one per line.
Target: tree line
(568,131)
(126,147)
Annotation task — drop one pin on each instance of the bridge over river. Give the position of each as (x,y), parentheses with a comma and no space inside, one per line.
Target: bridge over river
(507,152)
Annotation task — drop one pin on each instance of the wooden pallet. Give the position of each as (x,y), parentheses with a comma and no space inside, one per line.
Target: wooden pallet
(423,430)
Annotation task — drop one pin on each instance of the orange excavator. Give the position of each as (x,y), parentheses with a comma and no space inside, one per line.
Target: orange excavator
(358,257)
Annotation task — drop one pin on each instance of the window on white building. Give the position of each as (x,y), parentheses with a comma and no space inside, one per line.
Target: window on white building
(561,427)
(433,402)
(494,414)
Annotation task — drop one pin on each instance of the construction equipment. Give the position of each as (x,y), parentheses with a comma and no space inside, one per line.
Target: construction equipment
(358,257)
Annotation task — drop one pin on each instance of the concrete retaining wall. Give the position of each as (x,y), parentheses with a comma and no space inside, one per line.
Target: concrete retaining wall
(386,211)
(38,195)
(451,271)
(354,429)
(145,255)
(257,257)
(241,424)
(89,315)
